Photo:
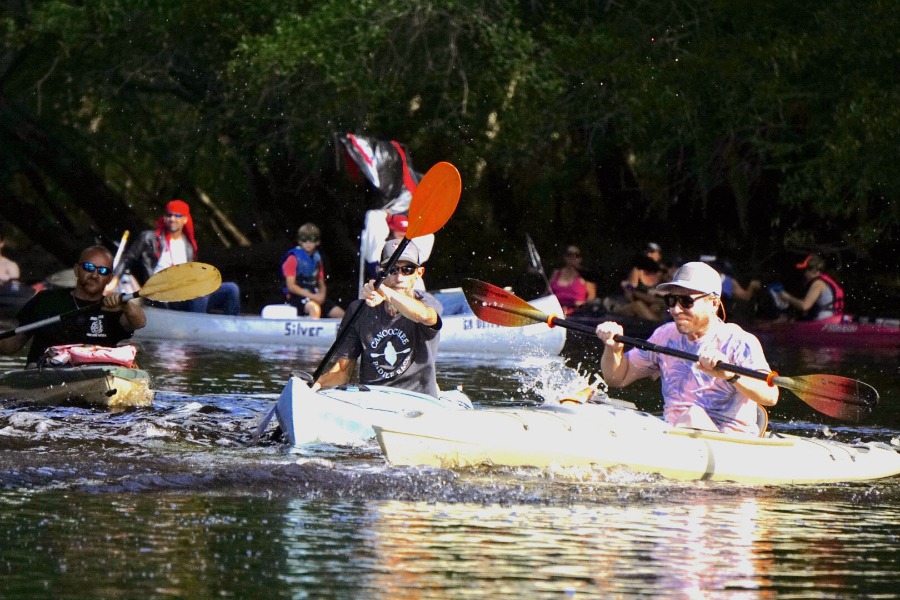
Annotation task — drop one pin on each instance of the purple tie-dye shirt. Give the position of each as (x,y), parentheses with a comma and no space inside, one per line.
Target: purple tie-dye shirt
(684,384)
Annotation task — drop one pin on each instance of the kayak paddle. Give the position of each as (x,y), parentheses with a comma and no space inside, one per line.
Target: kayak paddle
(838,397)
(174,284)
(432,205)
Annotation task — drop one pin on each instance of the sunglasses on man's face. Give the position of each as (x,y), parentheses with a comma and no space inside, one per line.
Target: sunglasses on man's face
(308,239)
(174,215)
(685,301)
(91,267)
(405,269)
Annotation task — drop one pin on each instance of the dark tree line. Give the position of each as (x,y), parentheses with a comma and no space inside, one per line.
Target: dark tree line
(744,129)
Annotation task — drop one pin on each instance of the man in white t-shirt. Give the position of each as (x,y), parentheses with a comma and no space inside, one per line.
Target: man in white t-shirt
(173,243)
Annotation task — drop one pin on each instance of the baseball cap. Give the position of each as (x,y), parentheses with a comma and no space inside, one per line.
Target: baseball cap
(695,276)
(410,253)
(812,261)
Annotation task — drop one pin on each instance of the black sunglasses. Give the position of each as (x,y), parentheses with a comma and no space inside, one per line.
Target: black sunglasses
(307,239)
(174,215)
(405,269)
(685,301)
(91,267)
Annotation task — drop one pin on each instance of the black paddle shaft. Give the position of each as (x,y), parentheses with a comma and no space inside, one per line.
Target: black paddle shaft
(342,333)
(645,345)
(56,319)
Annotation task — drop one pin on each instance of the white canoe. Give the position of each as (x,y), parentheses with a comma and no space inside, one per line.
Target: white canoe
(461,333)
(343,416)
(606,436)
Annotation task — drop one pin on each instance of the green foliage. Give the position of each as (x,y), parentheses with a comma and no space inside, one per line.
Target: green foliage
(764,123)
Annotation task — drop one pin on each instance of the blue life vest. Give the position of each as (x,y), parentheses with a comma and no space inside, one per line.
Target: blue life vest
(307,275)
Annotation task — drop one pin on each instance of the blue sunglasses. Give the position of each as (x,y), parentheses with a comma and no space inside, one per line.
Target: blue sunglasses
(91,267)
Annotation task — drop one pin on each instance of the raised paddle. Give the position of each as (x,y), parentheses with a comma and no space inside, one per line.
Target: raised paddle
(838,397)
(174,284)
(432,205)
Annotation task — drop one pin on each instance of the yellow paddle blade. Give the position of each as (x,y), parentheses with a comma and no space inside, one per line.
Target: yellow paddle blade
(434,200)
(182,282)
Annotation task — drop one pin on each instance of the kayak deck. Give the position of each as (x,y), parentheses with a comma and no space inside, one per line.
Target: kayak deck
(109,386)
(343,415)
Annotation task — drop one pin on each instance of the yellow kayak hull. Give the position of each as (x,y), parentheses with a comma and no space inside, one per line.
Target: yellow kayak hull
(604,436)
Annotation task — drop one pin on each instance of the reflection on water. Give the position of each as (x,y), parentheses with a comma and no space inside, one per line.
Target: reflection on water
(177,501)
(597,551)
(706,542)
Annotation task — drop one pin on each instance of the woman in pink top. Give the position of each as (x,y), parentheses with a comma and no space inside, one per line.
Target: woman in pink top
(568,285)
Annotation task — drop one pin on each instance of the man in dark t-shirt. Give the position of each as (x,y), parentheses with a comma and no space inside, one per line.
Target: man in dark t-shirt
(108,323)
(395,337)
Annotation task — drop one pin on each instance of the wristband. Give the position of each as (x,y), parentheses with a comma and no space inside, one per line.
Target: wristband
(733,378)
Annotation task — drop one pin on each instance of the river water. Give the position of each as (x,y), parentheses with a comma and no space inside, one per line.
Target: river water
(178,502)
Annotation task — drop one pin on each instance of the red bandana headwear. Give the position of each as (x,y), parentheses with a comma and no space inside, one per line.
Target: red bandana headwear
(180,207)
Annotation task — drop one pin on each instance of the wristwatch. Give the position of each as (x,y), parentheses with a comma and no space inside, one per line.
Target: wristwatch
(733,378)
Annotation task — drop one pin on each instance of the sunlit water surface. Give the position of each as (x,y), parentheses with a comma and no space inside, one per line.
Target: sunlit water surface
(177,501)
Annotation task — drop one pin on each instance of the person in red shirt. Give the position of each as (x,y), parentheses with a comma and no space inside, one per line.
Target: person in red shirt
(304,276)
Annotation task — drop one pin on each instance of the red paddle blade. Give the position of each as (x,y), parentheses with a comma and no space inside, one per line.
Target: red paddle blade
(495,305)
(434,200)
(842,398)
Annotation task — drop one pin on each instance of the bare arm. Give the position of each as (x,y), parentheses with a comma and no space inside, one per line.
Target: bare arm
(630,283)
(339,374)
(745,293)
(756,389)
(13,344)
(614,363)
(815,290)
(133,317)
(591,288)
(408,306)
(290,282)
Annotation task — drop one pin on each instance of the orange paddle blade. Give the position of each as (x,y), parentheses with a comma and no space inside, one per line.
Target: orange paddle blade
(434,200)
(495,305)
(838,397)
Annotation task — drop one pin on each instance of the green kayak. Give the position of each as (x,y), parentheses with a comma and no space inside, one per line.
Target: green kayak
(110,386)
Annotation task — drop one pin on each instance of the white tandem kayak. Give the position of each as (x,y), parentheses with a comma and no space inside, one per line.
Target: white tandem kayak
(461,333)
(608,436)
(343,415)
